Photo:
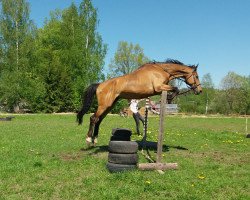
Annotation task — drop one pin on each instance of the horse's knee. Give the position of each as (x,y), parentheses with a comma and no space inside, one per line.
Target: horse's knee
(162,87)
(158,89)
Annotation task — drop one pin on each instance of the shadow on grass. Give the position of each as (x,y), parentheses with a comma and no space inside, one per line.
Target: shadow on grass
(153,146)
(148,145)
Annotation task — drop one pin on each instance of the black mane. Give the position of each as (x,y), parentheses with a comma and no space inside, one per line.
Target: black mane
(172,61)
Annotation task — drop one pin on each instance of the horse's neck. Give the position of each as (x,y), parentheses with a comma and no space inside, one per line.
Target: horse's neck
(176,70)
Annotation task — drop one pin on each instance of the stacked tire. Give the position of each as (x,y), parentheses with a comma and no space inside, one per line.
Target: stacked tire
(122,152)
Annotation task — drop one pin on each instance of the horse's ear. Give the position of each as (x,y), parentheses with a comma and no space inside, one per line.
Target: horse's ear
(195,67)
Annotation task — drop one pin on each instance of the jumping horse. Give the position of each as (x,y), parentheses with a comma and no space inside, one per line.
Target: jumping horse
(148,80)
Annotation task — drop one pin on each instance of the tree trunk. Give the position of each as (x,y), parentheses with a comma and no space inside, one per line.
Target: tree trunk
(17,47)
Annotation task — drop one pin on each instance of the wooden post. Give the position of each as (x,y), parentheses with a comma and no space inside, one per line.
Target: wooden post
(158,165)
(161,127)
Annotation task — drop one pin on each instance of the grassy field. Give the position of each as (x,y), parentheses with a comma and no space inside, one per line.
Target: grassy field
(44,157)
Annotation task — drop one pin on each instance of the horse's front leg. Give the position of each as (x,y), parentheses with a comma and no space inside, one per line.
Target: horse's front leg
(169,88)
(176,90)
(171,96)
(165,87)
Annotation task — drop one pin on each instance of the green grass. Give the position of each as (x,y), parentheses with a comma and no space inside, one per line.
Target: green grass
(44,157)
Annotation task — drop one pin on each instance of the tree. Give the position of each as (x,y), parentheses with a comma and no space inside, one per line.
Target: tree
(235,93)
(208,90)
(207,82)
(128,57)
(15,28)
(247,86)
(17,34)
(198,103)
(1,54)
(71,54)
(93,48)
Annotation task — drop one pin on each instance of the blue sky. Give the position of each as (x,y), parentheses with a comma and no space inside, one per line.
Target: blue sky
(213,33)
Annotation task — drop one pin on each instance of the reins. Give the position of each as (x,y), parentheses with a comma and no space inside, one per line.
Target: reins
(190,88)
(180,93)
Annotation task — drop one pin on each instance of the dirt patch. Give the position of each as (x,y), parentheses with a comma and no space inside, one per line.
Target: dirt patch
(232,158)
(220,157)
(71,157)
(99,152)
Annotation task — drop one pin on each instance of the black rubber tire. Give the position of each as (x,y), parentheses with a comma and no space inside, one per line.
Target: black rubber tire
(127,159)
(119,167)
(119,138)
(123,147)
(121,132)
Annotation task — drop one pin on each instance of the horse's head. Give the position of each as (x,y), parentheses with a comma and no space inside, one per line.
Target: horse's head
(192,79)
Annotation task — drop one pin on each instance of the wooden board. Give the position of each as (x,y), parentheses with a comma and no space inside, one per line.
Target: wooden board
(157,166)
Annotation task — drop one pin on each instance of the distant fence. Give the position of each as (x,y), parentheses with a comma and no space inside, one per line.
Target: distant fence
(170,108)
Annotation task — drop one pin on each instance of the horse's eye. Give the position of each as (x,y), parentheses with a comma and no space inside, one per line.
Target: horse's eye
(197,77)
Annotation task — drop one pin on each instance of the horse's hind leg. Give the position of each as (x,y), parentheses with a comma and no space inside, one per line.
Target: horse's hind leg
(105,102)
(92,122)
(97,125)
(95,121)
(96,129)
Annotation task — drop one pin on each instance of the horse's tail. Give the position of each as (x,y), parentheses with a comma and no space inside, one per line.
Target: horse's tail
(87,100)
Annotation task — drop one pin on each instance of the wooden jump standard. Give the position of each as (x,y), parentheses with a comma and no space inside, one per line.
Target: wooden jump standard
(158,165)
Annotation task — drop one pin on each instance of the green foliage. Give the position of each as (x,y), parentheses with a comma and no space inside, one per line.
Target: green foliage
(58,89)
(55,63)
(191,103)
(47,70)
(16,32)
(17,75)
(71,56)
(128,57)
(234,93)
(120,105)
(206,81)
(22,88)
(232,98)
(54,73)
(2,54)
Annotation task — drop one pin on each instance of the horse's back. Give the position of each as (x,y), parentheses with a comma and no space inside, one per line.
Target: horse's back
(138,84)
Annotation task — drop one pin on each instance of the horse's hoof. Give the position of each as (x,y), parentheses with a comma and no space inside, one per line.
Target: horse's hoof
(89,141)
(95,141)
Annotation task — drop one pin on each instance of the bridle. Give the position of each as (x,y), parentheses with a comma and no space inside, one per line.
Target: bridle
(194,85)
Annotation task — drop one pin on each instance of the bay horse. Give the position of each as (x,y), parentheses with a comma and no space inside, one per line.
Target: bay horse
(148,80)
